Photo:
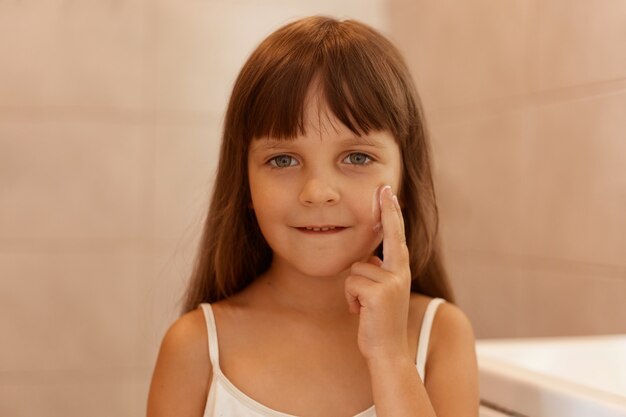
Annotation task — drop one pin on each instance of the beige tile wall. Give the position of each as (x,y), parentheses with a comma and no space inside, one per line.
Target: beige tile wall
(527,103)
(110,115)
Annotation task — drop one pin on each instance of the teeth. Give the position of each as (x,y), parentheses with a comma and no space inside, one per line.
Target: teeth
(323,229)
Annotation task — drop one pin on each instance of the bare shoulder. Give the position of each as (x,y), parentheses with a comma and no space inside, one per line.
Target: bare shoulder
(451,367)
(451,326)
(187,337)
(182,374)
(449,321)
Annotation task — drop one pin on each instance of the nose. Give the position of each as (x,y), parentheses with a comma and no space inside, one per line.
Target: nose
(319,191)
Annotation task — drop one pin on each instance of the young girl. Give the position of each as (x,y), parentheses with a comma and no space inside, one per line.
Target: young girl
(318,288)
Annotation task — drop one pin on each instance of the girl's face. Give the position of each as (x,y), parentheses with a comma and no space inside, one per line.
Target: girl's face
(327,177)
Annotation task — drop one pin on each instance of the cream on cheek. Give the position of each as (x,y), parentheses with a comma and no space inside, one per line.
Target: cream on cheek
(363,202)
(376,209)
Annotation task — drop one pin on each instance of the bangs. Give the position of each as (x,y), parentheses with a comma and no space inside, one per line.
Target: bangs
(359,75)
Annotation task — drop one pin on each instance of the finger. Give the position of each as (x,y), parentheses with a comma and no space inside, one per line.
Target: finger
(395,251)
(375,260)
(395,207)
(355,289)
(371,271)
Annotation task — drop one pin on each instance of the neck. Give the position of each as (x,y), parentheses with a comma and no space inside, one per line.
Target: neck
(319,297)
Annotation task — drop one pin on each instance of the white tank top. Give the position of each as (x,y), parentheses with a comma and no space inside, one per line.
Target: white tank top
(226,400)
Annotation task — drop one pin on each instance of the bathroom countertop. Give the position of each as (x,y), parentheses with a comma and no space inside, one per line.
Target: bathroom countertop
(570,376)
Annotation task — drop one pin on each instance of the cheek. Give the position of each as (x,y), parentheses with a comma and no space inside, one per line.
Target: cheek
(366,205)
(265,207)
(269,205)
(262,190)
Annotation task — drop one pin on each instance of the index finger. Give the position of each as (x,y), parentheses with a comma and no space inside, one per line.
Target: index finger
(395,251)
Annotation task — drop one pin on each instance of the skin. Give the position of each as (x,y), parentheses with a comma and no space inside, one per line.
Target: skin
(320,178)
(330,283)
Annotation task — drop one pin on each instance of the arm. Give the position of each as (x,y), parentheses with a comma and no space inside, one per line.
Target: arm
(451,388)
(379,291)
(452,368)
(181,378)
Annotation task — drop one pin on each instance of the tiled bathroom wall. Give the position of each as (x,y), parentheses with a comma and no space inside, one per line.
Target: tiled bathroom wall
(527,109)
(110,117)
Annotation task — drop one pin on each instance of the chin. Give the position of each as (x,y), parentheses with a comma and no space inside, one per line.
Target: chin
(323,271)
(317,268)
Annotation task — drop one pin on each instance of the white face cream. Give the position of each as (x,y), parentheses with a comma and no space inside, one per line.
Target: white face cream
(377,208)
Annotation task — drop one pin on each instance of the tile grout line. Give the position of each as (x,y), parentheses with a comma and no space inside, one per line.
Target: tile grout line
(145,258)
(489,108)
(436,117)
(533,262)
(10,114)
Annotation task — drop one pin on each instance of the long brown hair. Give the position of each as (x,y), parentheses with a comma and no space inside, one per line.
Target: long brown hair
(367,86)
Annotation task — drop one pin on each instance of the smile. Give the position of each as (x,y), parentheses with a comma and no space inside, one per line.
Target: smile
(321,230)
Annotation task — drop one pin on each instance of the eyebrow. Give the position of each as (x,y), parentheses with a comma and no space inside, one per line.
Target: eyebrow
(266,143)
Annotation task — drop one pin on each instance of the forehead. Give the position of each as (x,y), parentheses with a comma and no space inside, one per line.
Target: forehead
(374,140)
(321,125)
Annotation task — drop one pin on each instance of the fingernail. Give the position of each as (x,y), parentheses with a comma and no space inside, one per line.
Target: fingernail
(385,191)
(395,201)
(376,227)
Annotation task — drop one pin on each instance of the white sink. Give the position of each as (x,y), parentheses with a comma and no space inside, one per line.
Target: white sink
(553,377)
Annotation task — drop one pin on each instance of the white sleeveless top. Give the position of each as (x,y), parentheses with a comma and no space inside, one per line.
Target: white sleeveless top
(226,400)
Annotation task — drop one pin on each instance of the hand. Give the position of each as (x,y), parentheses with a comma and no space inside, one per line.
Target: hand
(379,291)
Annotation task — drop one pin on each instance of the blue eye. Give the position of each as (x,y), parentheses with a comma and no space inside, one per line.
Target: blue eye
(358,158)
(286,161)
(280,161)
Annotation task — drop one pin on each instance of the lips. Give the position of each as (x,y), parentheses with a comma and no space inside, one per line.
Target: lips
(325,229)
